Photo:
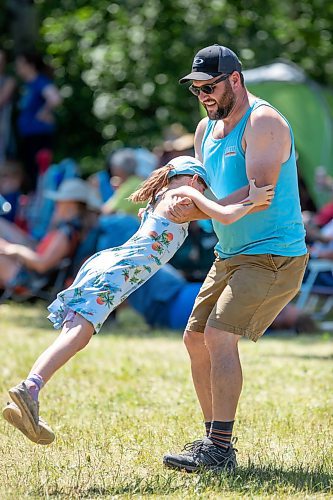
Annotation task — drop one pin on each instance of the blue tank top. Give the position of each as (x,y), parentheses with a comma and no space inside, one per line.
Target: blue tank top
(279,230)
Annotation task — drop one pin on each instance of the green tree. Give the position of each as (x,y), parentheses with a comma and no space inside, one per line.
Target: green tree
(118,63)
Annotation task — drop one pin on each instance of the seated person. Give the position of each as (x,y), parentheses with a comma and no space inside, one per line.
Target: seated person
(196,255)
(19,263)
(167,299)
(323,246)
(322,249)
(325,214)
(292,318)
(100,182)
(315,233)
(11,179)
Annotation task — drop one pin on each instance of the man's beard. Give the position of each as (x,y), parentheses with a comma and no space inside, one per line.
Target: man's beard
(224,106)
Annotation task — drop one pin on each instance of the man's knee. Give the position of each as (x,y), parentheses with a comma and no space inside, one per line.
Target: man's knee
(220,340)
(194,342)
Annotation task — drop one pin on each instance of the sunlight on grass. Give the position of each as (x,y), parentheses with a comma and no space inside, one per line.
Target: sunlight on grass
(128,398)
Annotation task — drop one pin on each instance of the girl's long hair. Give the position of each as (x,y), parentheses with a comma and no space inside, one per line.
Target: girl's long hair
(150,187)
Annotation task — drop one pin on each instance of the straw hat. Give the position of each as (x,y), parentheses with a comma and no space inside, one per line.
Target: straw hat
(70,190)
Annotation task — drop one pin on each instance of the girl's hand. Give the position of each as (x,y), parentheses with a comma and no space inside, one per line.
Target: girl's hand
(261,196)
(141,212)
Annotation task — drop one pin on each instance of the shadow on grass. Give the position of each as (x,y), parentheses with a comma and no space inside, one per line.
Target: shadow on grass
(270,478)
(252,480)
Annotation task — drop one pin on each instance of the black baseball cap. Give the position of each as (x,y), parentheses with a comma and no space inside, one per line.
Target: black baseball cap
(213,61)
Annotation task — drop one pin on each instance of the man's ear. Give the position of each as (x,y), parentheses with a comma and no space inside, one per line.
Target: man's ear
(235,80)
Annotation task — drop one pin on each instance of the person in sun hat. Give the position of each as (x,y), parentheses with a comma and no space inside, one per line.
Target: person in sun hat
(106,279)
(20,263)
(74,189)
(260,260)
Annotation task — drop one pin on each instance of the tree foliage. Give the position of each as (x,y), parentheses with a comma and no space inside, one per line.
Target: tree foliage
(119,62)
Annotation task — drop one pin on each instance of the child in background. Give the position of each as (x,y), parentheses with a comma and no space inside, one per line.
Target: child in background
(108,277)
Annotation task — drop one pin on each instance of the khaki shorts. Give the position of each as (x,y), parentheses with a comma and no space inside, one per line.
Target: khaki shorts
(245,293)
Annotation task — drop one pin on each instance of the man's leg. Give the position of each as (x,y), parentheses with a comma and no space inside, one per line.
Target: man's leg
(216,372)
(226,373)
(241,309)
(8,269)
(217,378)
(201,370)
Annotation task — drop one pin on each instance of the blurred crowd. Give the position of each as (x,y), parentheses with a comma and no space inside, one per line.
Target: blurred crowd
(319,228)
(52,220)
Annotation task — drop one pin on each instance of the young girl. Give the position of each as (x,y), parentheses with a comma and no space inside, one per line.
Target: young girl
(108,277)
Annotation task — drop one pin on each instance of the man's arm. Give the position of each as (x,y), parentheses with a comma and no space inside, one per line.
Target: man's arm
(267,145)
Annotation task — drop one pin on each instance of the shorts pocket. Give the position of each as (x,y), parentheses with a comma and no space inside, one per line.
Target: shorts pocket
(284,263)
(272,264)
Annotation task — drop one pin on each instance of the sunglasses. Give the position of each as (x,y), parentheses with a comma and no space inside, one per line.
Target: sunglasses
(208,88)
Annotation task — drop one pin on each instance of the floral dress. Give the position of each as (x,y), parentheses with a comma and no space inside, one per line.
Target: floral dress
(107,278)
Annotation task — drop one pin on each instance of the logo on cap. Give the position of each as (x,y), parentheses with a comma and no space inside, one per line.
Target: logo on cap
(197,61)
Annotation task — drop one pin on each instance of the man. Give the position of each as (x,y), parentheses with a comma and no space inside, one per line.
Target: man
(260,260)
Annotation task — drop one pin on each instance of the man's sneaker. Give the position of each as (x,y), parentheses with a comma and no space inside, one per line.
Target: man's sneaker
(12,414)
(189,448)
(28,407)
(205,456)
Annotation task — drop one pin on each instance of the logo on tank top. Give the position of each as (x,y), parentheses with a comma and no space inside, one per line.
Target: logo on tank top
(230,151)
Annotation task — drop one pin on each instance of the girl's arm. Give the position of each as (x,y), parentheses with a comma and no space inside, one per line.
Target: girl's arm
(230,213)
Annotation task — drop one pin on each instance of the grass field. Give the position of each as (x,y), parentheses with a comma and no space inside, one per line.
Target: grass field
(128,398)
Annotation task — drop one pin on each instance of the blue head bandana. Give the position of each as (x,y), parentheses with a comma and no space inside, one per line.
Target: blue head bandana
(187,165)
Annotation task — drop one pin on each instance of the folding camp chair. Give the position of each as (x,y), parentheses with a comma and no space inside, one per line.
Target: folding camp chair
(312,294)
(40,286)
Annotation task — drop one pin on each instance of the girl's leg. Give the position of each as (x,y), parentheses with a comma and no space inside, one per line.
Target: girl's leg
(75,335)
